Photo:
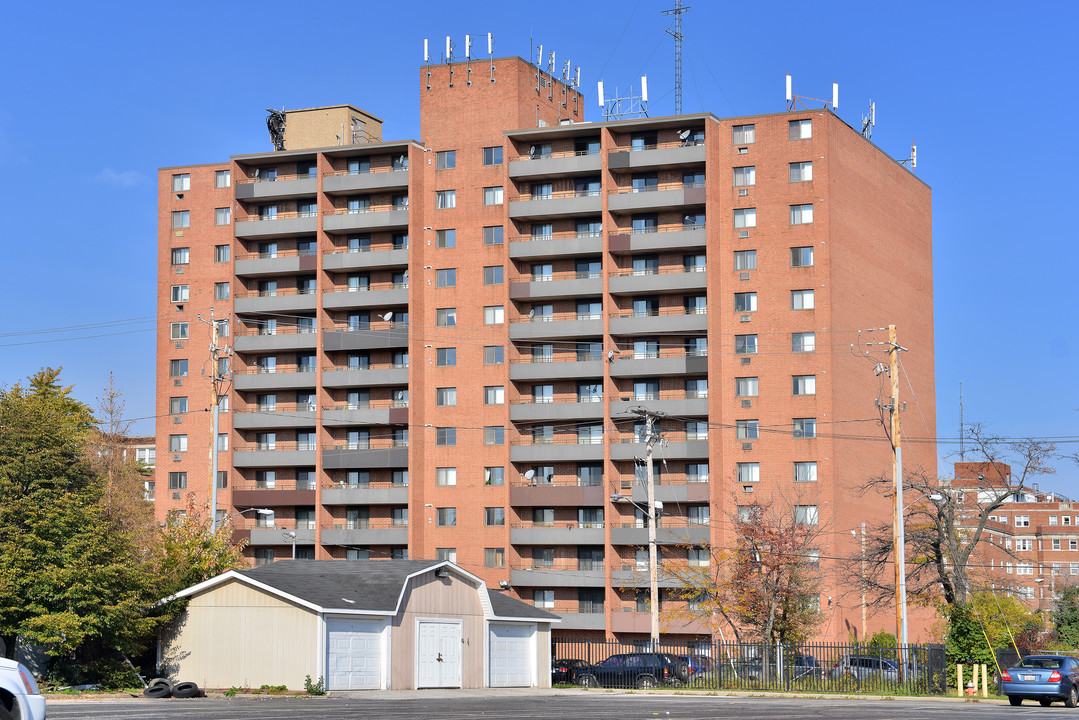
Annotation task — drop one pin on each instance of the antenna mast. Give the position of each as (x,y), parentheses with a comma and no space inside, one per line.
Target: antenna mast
(677,11)
(962,428)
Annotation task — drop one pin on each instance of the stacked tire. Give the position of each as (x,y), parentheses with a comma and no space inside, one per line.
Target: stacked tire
(163,688)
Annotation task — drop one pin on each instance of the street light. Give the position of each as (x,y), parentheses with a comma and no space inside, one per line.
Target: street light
(290,535)
(653,509)
(260,511)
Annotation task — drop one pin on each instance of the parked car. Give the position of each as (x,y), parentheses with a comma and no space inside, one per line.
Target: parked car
(1045,678)
(19,695)
(561,670)
(865,667)
(641,670)
(795,666)
(696,664)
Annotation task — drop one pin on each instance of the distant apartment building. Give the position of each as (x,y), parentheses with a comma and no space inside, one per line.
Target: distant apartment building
(438,345)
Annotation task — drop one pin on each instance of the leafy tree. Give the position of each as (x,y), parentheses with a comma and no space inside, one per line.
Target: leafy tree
(189,553)
(1066,617)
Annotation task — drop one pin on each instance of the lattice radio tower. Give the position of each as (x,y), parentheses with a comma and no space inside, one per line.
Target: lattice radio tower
(677,11)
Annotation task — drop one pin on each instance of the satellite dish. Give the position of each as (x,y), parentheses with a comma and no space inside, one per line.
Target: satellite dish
(531,313)
(684,135)
(610,355)
(529,474)
(388,316)
(532,151)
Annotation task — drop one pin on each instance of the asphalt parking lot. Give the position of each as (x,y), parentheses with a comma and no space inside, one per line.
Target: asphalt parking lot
(538,704)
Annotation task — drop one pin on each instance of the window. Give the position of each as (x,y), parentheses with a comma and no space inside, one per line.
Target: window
(1022,521)
(697,557)
(802,256)
(697,515)
(222,253)
(590,517)
(1024,568)
(749,472)
(446,277)
(589,392)
(181,183)
(1052,519)
(804,384)
(696,430)
(446,357)
(181,256)
(743,134)
(359,166)
(697,472)
(222,216)
(745,344)
(494,475)
(801,299)
(446,160)
(1024,544)
(805,427)
(492,195)
(803,342)
(178,368)
(446,517)
(697,388)
(267,212)
(694,263)
(494,355)
(221,291)
(806,514)
(745,259)
(494,395)
(493,315)
(445,238)
(446,397)
(494,516)
(745,217)
(801,171)
(1073,544)
(494,435)
(446,476)
(445,199)
(178,406)
(745,176)
(492,235)
(446,317)
(802,214)
(745,387)
(177,481)
(543,599)
(181,219)
(178,331)
(695,304)
(800,129)
(589,474)
(399,553)
(177,443)
(445,436)
(745,302)
(589,310)
(589,434)
(180,293)
(223,442)
(746,429)
(1056,543)
(494,557)
(805,471)
(358,553)
(492,275)
(222,178)
(446,554)
(399,517)
(492,156)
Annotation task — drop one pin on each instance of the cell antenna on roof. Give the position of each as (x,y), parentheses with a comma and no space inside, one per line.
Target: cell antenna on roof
(913,159)
(869,121)
(426,51)
(794,100)
(630,106)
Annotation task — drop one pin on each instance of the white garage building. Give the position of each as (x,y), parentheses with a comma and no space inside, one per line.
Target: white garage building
(360,624)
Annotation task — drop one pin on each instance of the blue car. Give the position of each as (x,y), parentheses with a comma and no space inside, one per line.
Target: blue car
(1045,678)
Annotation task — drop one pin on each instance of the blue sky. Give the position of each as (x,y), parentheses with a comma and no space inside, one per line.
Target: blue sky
(97,97)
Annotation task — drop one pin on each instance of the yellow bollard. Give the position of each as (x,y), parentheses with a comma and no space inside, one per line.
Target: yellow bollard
(985,682)
(959,680)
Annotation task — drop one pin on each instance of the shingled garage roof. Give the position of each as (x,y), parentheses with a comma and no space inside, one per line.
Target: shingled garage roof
(364,585)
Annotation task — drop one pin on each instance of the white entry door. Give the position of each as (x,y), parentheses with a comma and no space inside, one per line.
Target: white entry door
(353,654)
(511,655)
(438,658)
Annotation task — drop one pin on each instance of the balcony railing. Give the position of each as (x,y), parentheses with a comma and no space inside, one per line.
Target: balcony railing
(558,195)
(662,312)
(624,190)
(276,177)
(276,484)
(275,408)
(657,146)
(565,235)
(560,275)
(559,524)
(366,524)
(377,404)
(558,440)
(274,254)
(630,396)
(276,446)
(557,317)
(570,399)
(555,481)
(560,565)
(280,292)
(666,270)
(559,154)
(371,287)
(370,444)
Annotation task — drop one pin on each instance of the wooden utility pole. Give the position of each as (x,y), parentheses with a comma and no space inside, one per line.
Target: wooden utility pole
(653,559)
(215,408)
(898,534)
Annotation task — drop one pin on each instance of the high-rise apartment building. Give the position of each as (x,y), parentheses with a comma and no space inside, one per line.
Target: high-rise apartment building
(437,346)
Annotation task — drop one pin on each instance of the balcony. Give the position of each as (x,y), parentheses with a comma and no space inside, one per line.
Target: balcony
(561,533)
(287,300)
(568,409)
(539,494)
(556,204)
(372,377)
(258,379)
(281,225)
(564,163)
(633,621)
(261,537)
(556,245)
(664,362)
(561,573)
(379,335)
(666,534)
(636,576)
(368,532)
(278,262)
(343,182)
(365,259)
(529,369)
(669,196)
(341,457)
(281,188)
(673,402)
(556,326)
(654,157)
(289,338)
(388,296)
(558,451)
(695,492)
(667,280)
(281,454)
(279,494)
(556,285)
(344,221)
(376,412)
(276,416)
(677,237)
(594,619)
(665,321)
(677,448)
(342,494)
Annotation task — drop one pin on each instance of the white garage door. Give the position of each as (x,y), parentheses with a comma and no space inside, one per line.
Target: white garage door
(511,655)
(353,654)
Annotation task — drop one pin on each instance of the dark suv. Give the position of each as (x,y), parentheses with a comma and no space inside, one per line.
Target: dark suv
(640,670)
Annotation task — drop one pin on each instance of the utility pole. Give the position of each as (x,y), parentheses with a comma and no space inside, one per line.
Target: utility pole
(898,533)
(864,624)
(215,407)
(677,11)
(653,559)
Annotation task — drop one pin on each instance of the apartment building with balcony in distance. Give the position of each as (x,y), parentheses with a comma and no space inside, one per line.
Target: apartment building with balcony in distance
(437,344)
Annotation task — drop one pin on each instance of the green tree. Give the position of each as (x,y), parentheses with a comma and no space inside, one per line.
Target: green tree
(1066,616)
(189,553)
